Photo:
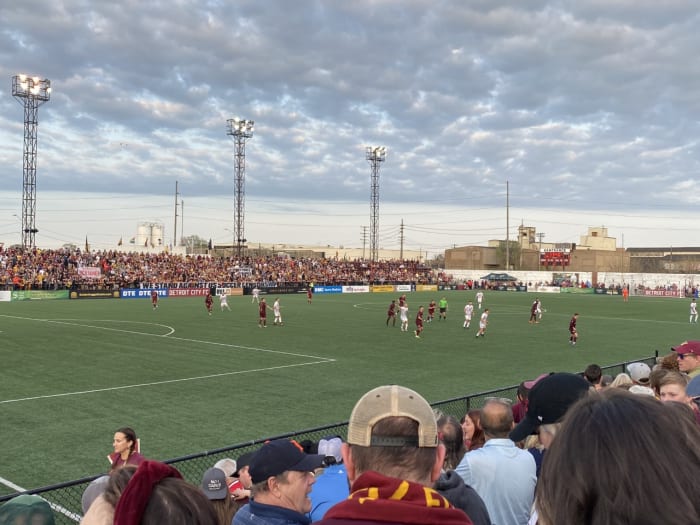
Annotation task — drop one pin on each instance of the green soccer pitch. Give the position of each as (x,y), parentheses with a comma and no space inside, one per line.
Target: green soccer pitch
(72,372)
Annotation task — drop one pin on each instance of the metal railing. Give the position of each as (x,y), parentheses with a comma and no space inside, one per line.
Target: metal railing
(65,498)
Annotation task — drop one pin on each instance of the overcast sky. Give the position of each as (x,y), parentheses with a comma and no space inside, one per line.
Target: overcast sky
(589,108)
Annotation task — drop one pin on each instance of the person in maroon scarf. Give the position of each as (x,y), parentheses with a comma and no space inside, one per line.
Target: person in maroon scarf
(393,457)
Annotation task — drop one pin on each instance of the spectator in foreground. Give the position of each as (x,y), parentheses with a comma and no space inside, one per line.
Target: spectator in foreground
(393,457)
(26,509)
(688,355)
(471,428)
(575,490)
(331,484)
(502,474)
(282,476)
(126,449)
(215,488)
(593,374)
(450,484)
(100,510)
(157,494)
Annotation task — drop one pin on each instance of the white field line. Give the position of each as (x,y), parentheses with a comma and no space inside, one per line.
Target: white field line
(171,331)
(167,381)
(317,360)
(72,515)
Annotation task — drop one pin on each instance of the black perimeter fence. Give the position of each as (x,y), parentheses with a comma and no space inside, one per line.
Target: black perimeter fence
(65,498)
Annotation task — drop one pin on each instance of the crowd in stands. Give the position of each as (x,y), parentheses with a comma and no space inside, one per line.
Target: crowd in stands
(67,269)
(572,449)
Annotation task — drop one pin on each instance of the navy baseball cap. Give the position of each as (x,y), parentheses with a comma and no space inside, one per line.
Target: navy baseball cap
(279,456)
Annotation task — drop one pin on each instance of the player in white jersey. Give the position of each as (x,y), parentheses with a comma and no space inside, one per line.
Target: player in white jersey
(223,301)
(278,314)
(468,311)
(403,315)
(483,321)
(479,298)
(256,295)
(693,311)
(539,310)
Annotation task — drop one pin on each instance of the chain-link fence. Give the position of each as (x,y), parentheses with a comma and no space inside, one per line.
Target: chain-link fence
(65,498)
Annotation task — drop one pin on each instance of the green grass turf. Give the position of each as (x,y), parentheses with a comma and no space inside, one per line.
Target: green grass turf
(72,372)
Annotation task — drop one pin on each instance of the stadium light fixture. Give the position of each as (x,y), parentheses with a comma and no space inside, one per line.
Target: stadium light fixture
(241,130)
(31,92)
(375,155)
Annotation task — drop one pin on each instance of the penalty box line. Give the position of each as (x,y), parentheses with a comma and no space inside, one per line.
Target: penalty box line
(168,336)
(165,382)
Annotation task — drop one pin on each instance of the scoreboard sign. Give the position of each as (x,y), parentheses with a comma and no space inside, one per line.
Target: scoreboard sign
(555,257)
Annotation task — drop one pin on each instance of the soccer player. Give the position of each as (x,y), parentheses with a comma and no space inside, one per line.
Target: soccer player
(625,293)
(309,293)
(256,295)
(262,312)
(539,310)
(402,300)
(443,309)
(278,313)
(468,311)
(431,310)
(419,322)
(693,311)
(533,312)
(483,321)
(223,302)
(208,301)
(572,330)
(403,314)
(479,298)
(154,298)
(391,314)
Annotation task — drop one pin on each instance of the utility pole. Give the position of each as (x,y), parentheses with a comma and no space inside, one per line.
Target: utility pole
(175,228)
(401,241)
(507,227)
(540,236)
(182,220)
(364,240)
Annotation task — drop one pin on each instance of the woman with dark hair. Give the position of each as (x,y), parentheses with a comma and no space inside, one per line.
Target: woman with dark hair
(126,449)
(471,428)
(606,466)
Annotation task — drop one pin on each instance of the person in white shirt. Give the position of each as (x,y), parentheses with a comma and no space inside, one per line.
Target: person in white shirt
(278,314)
(693,311)
(479,298)
(403,315)
(483,321)
(223,301)
(468,311)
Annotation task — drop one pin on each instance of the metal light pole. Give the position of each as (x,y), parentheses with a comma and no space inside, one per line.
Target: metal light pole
(31,92)
(375,155)
(240,130)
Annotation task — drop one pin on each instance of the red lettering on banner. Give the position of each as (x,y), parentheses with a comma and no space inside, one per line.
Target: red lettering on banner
(187,292)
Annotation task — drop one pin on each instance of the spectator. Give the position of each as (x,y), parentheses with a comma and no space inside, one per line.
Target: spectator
(667,362)
(502,474)
(126,449)
(450,484)
(688,354)
(101,510)
(215,488)
(593,374)
(157,494)
(332,483)
(605,381)
(622,381)
(639,374)
(241,492)
(282,477)
(621,475)
(471,427)
(26,509)
(393,457)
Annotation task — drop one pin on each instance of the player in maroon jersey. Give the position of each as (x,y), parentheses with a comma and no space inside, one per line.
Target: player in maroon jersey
(391,314)
(431,310)
(419,322)
(402,300)
(262,310)
(154,298)
(208,301)
(533,311)
(572,330)
(309,294)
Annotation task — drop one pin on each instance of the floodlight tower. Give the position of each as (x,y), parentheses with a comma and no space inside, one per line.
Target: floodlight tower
(375,155)
(31,92)
(240,130)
